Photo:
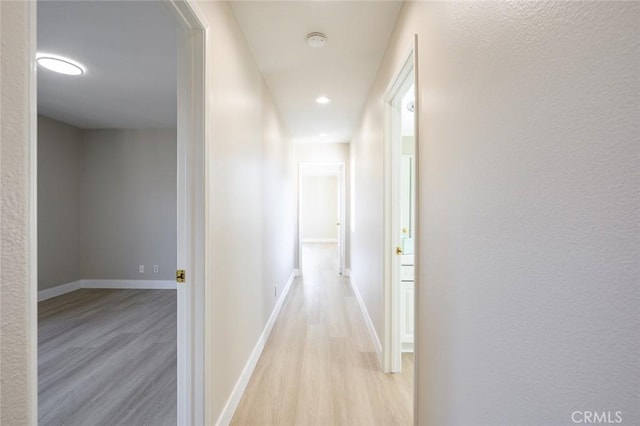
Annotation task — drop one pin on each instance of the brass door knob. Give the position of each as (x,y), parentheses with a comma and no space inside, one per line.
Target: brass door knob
(398,251)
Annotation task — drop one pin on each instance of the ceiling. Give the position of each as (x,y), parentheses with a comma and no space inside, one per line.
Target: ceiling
(343,70)
(130,51)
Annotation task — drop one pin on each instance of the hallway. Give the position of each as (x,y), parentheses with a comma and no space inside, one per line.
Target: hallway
(521,170)
(319,366)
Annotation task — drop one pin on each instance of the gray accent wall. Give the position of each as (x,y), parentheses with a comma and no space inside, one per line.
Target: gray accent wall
(59,176)
(106,203)
(129,204)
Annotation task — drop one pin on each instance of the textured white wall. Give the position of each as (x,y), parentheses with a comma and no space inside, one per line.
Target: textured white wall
(251,238)
(17,202)
(319,201)
(529,204)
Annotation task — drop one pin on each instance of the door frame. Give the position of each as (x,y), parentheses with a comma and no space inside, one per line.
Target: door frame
(403,78)
(191,210)
(192,207)
(305,168)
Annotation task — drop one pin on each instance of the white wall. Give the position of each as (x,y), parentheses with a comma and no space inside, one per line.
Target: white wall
(250,244)
(17,202)
(528,186)
(279,198)
(330,153)
(129,204)
(319,201)
(59,177)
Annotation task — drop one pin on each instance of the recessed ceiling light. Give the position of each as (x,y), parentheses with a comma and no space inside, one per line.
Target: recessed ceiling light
(323,100)
(60,64)
(316,39)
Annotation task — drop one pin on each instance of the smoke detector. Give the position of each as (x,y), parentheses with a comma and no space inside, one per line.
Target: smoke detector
(316,39)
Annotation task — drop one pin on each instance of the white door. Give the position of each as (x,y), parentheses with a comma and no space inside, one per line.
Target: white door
(190,213)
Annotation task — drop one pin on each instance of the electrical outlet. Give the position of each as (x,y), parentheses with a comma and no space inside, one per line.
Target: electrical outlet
(141,269)
(275,291)
(155,269)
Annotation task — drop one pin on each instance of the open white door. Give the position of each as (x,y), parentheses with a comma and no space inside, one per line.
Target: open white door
(190,213)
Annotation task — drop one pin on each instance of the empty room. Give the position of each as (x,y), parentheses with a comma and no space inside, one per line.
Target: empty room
(107,202)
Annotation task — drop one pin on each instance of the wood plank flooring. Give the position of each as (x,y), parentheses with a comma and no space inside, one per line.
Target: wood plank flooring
(107,357)
(319,366)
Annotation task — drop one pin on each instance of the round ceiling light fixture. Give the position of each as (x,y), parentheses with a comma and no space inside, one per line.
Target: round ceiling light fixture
(323,100)
(316,39)
(60,64)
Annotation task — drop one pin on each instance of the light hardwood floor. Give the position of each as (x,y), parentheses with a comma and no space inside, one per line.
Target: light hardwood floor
(319,366)
(107,357)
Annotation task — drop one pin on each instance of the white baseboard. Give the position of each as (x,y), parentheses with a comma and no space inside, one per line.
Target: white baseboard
(236,395)
(131,284)
(120,284)
(367,319)
(319,240)
(59,290)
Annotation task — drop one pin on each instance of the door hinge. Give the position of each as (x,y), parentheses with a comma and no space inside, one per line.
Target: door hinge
(180,275)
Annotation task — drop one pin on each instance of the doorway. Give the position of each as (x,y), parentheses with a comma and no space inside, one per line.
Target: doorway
(188,226)
(400,218)
(321,210)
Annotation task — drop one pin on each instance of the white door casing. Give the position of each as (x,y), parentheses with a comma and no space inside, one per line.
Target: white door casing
(400,330)
(191,210)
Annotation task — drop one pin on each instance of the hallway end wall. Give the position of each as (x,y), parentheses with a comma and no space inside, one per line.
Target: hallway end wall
(319,208)
(528,194)
(329,153)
